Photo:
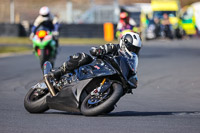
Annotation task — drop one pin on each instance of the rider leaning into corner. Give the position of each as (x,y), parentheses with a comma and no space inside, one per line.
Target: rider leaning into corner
(128,47)
(125,23)
(46,18)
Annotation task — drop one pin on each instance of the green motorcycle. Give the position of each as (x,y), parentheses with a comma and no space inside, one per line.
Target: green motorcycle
(44,44)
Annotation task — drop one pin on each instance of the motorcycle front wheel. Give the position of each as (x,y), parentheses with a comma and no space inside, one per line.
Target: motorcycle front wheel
(93,106)
(46,56)
(35,102)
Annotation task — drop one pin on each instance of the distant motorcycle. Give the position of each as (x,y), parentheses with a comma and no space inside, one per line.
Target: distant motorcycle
(92,89)
(44,45)
(128,28)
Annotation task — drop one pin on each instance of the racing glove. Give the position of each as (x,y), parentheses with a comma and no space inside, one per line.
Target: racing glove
(102,50)
(32,32)
(31,36)
(55,34)
(97,51)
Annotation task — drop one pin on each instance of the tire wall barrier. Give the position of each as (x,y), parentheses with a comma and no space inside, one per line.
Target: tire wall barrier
(66,30)
(12,30)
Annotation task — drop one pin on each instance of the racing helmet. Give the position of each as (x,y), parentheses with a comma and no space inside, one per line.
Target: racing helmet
(130,42)
(44,11)
(123,15)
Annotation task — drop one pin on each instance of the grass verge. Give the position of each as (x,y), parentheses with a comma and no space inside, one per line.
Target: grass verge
(14,49)
(62,41)
(18,44)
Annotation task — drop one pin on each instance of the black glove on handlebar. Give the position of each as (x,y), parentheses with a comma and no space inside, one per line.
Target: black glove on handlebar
(97,51)
(56,74)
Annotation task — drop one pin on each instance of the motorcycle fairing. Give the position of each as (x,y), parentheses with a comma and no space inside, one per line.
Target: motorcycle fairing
(123,66)
(69,97)
(95,69)
(47,67)
(47,41)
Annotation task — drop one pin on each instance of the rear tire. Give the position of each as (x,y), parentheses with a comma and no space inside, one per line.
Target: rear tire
(35,106)
(106,106)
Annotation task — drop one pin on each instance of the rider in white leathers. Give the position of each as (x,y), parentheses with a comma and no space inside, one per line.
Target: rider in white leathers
(47,19)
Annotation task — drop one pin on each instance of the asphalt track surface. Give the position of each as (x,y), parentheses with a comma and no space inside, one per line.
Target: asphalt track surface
(167,99)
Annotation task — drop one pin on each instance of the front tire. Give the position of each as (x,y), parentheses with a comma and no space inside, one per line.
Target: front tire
(34,105)
(106,106)
(46,57)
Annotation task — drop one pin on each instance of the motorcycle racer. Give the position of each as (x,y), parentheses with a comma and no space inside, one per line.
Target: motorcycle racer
(125,23)
(46,18)
(128,47)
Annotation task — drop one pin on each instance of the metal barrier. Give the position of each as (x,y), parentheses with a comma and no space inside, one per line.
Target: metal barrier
(66,30)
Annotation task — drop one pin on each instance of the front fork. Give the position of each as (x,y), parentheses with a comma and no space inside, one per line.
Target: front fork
(103,86)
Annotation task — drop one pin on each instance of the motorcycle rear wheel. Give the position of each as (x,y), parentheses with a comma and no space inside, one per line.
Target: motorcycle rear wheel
(35,105)
(106,105)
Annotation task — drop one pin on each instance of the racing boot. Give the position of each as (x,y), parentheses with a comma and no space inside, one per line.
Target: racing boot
(59,72)
(133,81)
(56,74)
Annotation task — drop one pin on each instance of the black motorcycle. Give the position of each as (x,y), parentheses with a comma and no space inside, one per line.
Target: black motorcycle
(92,89)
